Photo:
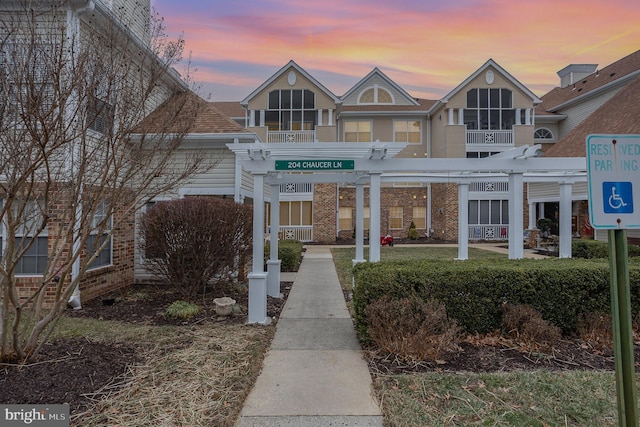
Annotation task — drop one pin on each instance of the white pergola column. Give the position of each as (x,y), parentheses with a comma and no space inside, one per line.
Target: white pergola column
(532,216)
(258,277)
(274,263)
(564,250)
(359,228)
(374,227)
(463,221)
(359,223)
(516,216)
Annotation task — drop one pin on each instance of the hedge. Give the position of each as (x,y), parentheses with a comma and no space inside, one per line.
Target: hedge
(583,248)
(289,252)
(474,291)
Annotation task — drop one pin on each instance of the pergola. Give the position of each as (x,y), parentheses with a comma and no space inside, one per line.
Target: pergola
(374,163)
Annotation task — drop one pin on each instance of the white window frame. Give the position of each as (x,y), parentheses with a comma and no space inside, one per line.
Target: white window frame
(393,209)
(406,132)
(345,218)
(99,216)
(358,132)
(376,88)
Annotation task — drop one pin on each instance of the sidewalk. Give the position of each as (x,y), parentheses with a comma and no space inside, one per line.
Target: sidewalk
(314,373)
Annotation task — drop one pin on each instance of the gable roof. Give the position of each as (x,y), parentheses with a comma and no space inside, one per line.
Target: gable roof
(619,115)
(377,72)
(617,73)
(280,72)
(505,74)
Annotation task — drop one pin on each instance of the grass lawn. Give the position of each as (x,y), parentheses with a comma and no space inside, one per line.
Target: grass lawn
(537,398)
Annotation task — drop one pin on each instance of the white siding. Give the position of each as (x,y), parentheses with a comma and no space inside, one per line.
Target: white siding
(548,192)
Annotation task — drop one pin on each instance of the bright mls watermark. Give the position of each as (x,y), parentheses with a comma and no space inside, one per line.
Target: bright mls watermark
(34,415)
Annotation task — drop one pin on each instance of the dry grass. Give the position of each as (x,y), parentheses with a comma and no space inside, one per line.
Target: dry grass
(200,377)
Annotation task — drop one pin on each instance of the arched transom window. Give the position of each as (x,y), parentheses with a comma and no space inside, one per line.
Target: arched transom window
(375,95)
(543,133)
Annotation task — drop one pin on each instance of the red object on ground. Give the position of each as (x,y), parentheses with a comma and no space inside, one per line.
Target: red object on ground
(386,240)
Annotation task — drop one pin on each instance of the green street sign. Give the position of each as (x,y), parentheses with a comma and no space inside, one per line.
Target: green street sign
(314,165)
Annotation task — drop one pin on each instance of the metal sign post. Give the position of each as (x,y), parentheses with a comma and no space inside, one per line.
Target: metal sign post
(613,170)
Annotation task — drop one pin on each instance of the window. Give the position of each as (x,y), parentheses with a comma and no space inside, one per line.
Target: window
(420,217)
(489,109)
(344,218)
(406,131)
(100,116)
(357,131)
(34,261)
(486,212)
(291,109)
(100,235)
(375,95)
(366,216)
(296,213)
(395,218)
(480,154)
(543,133)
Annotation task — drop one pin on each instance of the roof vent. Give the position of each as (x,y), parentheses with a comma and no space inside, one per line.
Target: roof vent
(612,74)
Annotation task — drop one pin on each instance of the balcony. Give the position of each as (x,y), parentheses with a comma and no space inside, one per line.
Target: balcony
(304,233)
(493,138)
(489,232)
(291,136)
(489,187)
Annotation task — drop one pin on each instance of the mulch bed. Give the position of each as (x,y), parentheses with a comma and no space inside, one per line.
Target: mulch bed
(73,370)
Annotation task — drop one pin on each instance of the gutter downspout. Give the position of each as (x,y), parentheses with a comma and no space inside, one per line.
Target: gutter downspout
(74,300)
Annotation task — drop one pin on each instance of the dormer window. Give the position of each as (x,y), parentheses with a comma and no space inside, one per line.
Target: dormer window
(375,95)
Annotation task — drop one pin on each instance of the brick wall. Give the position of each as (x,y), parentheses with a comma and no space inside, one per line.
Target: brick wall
(324,213)
(444,211)
(389,196)
(96,282)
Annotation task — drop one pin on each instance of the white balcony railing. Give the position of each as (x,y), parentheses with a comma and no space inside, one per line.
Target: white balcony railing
(291,136)
(296,188)
(489,187)
(489,137)
(489,232)
(304,233)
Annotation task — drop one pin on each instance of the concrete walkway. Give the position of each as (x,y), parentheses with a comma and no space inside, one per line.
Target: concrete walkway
(313,374)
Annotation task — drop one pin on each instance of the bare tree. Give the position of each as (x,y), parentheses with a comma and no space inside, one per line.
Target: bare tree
(77,158)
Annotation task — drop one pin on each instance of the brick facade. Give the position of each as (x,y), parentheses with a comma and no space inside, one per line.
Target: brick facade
(324,213)
(99,281)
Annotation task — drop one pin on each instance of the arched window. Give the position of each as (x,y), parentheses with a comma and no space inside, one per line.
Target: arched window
(375,95)
(542,133)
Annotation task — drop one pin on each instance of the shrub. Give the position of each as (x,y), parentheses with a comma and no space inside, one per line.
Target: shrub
(413,232)
(189,242)
(584,248)
(411,328)
(596,329)
(525,324)
(182,310)
(289,252)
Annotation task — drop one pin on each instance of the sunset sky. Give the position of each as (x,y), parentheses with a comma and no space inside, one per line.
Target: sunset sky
(427,47)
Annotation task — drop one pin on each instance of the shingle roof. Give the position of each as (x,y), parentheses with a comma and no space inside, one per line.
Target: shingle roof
(619,115)
(559,96)
(230,108)
(195,114)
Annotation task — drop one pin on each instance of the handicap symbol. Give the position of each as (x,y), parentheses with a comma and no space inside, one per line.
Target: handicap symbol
(618,197)
(615,201)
